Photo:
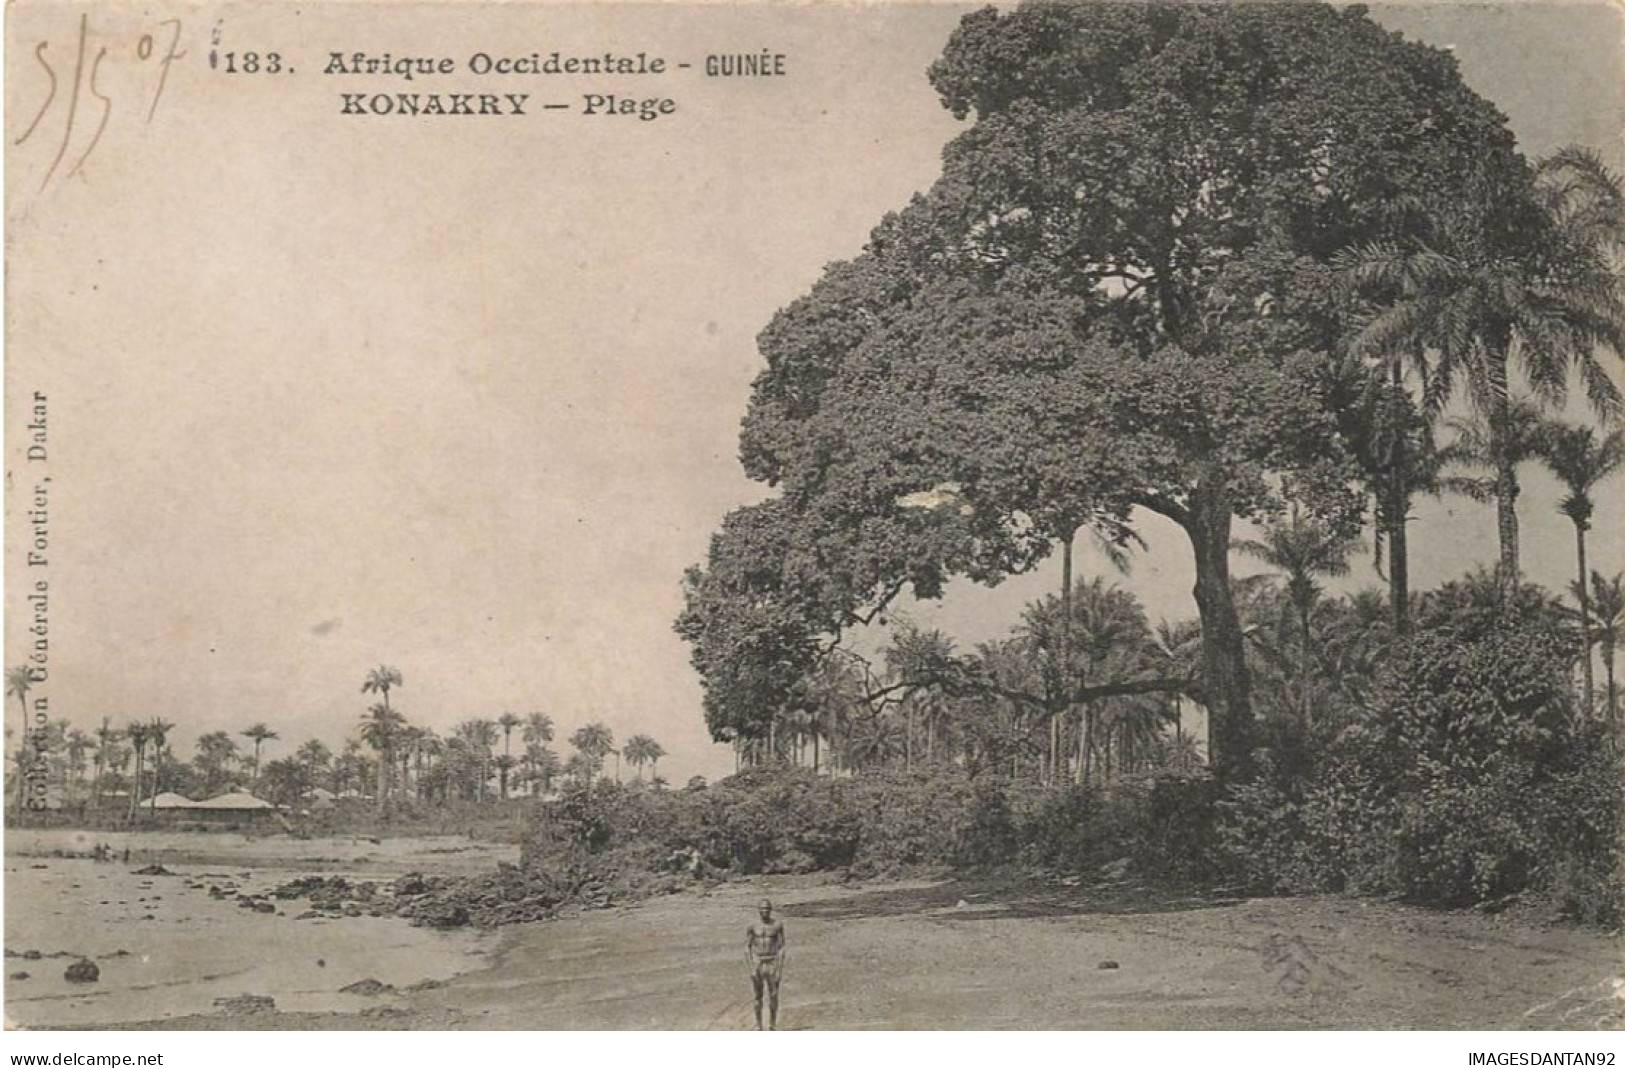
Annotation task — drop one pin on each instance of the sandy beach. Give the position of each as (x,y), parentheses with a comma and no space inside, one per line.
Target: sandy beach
(910,955)
(166,946)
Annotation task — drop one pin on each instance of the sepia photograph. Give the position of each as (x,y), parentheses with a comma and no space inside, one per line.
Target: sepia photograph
(601,516)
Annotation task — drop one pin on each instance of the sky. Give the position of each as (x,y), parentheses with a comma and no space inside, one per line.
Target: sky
(463,397)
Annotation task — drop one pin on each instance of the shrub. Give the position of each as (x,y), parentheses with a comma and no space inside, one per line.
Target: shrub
(1470,778)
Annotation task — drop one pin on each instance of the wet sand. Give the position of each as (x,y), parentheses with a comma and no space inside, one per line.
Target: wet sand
(166,948)
(446,854)
(1003,955)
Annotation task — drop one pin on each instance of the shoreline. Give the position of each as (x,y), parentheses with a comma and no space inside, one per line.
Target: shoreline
(991,953)
(176,928)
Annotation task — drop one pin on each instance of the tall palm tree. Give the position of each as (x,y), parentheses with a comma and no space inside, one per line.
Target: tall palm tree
(1391,438)
(1608,622)
(158,730)
(78,744)
(640,749)
(1581,459)
(381,680)
(19,680)
(1305,550)
(381,729)
(1177,649)
(479,735)
(1522,272)
(508,721)
(876,740)
(316,757)
(632,748)
(139,735)
(544,767)
(259,734)
(429,748)
(538,729)
(1498,446)
(594,742)
(832,694)
(105,737)
(504,764)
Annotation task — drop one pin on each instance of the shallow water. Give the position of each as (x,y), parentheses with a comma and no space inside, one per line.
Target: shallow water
(183,948)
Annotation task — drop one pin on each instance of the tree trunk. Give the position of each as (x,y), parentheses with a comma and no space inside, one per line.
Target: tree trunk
(386,767)
(1585,618)
(1397,509)
(1613,695)
(157,769)
(1225,687)
(1086,745)
(1066,655)
(101,766)
(1506,474)
(1506,521)
(1305,695)
(1083,743)
(135,788)
(1399,591)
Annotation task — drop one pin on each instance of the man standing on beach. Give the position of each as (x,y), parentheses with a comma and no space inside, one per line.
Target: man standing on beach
(764,949)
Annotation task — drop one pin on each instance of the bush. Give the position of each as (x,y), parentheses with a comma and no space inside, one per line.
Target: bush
(1469,779)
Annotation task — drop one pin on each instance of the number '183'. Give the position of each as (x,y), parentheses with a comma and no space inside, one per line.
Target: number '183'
(252,62)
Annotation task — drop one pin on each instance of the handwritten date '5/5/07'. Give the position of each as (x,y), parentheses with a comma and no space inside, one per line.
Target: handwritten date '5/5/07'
(75,101)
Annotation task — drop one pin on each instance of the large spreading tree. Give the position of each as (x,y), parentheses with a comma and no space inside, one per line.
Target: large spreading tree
(1117,299)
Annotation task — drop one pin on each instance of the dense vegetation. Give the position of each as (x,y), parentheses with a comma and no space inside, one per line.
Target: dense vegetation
(1209,266)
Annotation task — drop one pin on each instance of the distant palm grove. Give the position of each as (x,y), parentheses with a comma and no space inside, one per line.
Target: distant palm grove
(123,766)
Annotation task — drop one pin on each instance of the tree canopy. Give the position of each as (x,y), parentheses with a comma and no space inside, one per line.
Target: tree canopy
(1119,294)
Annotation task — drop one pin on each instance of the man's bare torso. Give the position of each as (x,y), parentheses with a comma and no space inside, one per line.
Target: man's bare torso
(766,939)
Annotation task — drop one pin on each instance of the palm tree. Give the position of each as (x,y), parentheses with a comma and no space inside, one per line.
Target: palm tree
(316,756)
(1304,549)
(105,737)
(380,729)
(544,768)
(259,734)
(138,735)
(508,721)
(19,680)
(594,742)
(876,740)
(381,680)
(633,749)
(1608,622)
(1580,460)
(158,730)
(538,729)
(504,764)
(580,767)
(833,691)
(640,749)
(1177,648)
(428,749)
(1498,447)
(1523,271)
(1391,439)
(78,744)
(479,735)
